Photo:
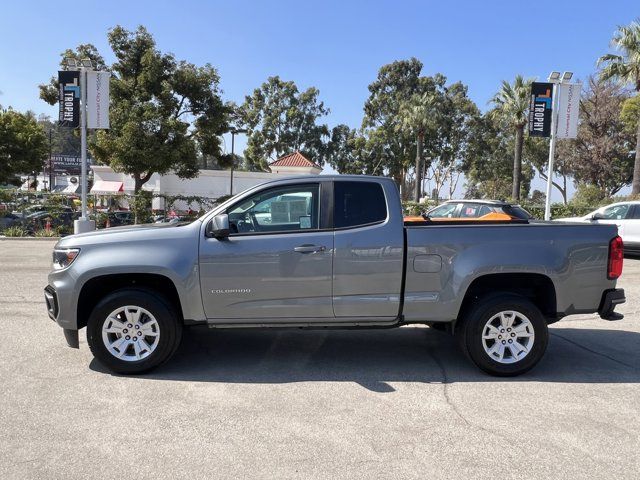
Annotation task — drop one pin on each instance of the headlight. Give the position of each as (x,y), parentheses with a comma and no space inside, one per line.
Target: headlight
(64,257)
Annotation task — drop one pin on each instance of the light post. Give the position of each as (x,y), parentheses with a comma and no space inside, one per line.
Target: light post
(84,65)
(50,161)
(233,132)
(556,79)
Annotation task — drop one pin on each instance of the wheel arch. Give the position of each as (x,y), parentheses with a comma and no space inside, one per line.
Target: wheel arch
(96,288)
(538,288)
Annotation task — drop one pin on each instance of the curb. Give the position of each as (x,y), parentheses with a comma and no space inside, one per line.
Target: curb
(39,239)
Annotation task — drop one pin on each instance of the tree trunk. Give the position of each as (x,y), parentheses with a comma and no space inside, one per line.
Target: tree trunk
(635,185)
(416,191)
(517,162)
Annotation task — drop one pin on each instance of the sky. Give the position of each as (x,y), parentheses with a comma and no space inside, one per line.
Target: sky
(336,46)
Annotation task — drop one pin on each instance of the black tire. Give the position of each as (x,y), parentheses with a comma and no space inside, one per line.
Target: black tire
(169,325)
(469,334)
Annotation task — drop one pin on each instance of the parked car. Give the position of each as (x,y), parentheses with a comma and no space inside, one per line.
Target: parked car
(460,209)
(38,220)
(117,219)
(8,220)
(626,215)
(330,251)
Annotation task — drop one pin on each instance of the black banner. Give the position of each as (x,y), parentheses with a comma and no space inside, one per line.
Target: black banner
(69,99)
(69,164)
(540,109)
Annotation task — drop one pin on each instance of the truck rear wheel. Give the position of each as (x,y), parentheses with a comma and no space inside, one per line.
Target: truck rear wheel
(504,335)
(133,331)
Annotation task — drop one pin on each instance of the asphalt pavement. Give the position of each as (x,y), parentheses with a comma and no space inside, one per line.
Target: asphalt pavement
(401,403)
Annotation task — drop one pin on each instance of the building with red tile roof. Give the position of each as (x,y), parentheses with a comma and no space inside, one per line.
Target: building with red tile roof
(295,164)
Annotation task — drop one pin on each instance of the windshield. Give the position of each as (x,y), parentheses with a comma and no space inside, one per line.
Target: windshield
(517,211)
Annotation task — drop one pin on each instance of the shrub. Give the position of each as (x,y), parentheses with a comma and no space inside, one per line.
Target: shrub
(415,209)
(15,232)
(46,233)
(141,207)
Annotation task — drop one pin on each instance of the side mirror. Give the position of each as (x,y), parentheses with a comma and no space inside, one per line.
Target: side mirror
(597,216)
(218,227)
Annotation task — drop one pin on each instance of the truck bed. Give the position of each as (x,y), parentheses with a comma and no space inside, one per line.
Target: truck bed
(444,259)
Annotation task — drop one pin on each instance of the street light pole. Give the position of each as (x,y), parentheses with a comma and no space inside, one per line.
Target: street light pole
(50,161)
(83,141)
(82,224)
(556,79)
(233,132)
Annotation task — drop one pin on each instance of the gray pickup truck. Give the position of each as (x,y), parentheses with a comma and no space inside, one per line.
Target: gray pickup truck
(331,251)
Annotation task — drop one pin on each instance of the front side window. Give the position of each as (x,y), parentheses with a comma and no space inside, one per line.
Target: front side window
(616,212)
(282,209)
(358,203)
(444,211)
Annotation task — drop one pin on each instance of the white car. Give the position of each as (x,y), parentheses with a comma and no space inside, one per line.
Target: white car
(626,215)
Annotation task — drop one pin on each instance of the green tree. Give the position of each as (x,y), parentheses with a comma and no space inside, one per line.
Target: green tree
(419,116)
(488,160)
(392,146)
(630,114)
(512,105)
(625,68)
(449,143)
(280,120)
(404,109)
(601,154)
(49,91)
(23,145)
(164,113)
(536,152)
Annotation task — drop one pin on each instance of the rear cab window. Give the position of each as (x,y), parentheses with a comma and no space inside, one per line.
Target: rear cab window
(358,203)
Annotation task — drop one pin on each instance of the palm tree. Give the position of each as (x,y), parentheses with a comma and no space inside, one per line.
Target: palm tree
(625,68)
(512,104)
(417,116)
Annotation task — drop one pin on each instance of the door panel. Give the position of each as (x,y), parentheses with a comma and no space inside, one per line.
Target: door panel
(368,251)
(632,226)
(276,264)
(264,277)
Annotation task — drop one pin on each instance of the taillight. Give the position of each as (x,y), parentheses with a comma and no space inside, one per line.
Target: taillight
(616,257)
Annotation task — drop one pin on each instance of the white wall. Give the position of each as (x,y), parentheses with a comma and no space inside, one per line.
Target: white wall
(210,183)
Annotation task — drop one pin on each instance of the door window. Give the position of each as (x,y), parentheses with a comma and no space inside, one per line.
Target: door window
(635,212)
(616,212)
(470,210)
(282,209)
(358,203)
(444,211)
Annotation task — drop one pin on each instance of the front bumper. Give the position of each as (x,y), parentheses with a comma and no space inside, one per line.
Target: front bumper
(53,303)
(611,298)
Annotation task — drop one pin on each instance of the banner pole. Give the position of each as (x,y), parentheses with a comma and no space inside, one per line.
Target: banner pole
(83,224)
(552,151)
(83,140)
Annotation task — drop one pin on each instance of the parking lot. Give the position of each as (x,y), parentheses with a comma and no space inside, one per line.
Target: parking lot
(400,403)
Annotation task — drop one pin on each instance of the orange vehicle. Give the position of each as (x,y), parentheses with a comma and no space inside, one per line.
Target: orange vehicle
(473,210)
(489,217)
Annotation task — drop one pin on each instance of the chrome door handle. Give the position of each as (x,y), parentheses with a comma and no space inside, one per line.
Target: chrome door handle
(309,248)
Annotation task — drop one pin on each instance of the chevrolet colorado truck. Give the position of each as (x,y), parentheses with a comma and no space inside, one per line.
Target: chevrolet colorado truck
(331,251)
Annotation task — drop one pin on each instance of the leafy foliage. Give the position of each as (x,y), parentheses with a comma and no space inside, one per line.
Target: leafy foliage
(511,107)
(601,154)
(164,113)
(625,68)
(281,120)
(23,145)
(14,231)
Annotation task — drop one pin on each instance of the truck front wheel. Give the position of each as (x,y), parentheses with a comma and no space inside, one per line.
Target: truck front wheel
(133,330)
(505,335)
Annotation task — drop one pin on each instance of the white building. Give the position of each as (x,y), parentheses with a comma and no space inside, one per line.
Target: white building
(209,183)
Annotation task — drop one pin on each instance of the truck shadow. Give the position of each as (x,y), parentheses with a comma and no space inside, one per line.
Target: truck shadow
(376,359)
